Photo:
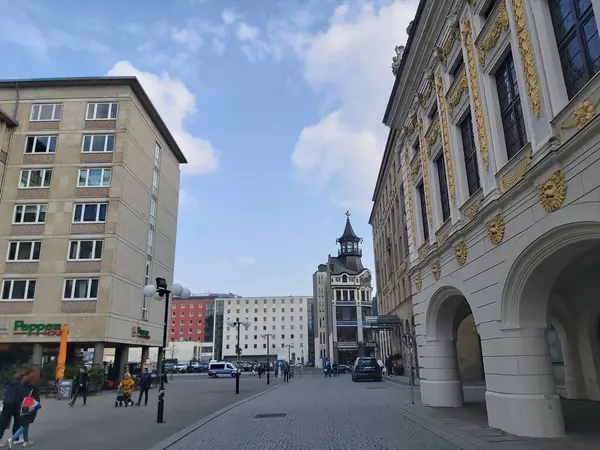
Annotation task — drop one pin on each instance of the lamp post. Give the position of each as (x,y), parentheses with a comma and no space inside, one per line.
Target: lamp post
(158,292)
(268,335)
(290,347)
(236,323)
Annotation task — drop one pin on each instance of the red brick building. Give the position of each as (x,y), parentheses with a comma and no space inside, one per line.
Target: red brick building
(189,318)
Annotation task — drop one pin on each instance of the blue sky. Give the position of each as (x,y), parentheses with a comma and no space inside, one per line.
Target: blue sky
(276,103)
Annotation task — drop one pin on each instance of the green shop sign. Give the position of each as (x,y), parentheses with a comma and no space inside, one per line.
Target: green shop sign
(45,329)
(144,334)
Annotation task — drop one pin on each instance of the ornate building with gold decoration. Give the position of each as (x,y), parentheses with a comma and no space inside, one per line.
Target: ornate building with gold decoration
(495,140)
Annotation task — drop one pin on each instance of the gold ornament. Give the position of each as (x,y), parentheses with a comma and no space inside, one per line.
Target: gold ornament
(436,270)
(491,38)
(479,119)
(446,139)
(496,229)
(553,191)
(418,282)
(461,252)
(424,169)
(583,114)
(411,202)
(526,56)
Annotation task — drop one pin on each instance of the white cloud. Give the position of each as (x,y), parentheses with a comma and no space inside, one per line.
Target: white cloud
(188,38)
(218,45)
(175,103)
(228,17)
(350,62)
(246,260)
(245,32)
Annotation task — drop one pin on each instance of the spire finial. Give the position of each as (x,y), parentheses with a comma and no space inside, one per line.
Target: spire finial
(348,215)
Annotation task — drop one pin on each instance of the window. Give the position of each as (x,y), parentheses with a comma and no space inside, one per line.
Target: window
(470,154)
(578,43)
(30,214)
(18,290)
(24,251)
(102,111)
(510,107)
(98,143)
(41,144)
(81,289)
(421,191)
(94,177)
(45,112)
(79,250)
(443,182)
(90,212)
(488,9)
(35,178)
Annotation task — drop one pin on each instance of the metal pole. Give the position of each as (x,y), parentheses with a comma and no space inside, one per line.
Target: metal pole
(268,362)
(237,375)
(412,376)
(161,358)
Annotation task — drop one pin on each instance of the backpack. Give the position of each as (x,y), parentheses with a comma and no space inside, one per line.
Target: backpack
(29,404)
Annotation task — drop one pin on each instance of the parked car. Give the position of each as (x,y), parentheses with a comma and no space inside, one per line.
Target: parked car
(366,368)
(343,368)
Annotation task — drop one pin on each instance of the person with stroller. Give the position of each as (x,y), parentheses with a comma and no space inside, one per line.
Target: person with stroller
(126,388)
(30,405)
(11,406)
(145,383)
(81,386)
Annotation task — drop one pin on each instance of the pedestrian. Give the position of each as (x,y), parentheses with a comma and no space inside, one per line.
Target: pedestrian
(28,410)
(260,371)
(82,382)
(126,388)
(389,366)
(11,406)
(145,383)
(286,372)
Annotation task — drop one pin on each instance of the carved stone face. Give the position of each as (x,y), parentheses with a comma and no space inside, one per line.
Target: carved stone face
(493,227)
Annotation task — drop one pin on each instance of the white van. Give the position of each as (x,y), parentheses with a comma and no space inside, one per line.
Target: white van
(216,368)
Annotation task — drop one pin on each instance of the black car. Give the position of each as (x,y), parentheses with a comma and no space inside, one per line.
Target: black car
(366,368)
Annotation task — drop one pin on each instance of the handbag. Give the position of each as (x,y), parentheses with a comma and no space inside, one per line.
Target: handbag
(29,404)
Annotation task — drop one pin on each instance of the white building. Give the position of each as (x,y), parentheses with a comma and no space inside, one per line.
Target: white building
(495,107)
(284,318)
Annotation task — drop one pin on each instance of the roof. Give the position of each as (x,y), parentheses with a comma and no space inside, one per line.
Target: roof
(132,82)
(348,235)
(8,119)
(350,264)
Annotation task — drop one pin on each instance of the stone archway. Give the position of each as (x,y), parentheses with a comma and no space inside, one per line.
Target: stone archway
(553,281)
(439,360)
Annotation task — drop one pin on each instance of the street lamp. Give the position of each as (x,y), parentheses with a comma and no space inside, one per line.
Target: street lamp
(268,335)
(289,346)
(158,292)
(238,351)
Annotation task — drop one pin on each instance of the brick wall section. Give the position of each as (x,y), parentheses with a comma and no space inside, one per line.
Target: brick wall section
(86,306)
(7,307)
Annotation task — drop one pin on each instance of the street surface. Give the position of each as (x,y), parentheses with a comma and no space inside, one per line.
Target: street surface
(100,426)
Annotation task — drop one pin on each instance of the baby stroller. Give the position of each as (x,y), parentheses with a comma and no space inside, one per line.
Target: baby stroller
(123,397)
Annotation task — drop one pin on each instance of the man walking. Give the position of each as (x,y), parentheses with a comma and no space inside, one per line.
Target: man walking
(81,386)
(286,372)
(145,383)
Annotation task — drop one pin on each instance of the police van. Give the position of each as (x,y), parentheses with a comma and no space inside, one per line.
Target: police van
(216,368)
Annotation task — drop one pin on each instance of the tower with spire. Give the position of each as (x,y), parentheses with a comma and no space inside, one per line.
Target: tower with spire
(343,292)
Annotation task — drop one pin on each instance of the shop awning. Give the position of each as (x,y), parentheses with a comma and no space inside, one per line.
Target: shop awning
(384,322)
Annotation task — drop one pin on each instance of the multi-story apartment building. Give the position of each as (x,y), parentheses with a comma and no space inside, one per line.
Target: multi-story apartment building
(391,256)
(189,319)
(88,216)
(495,108)
(7,126)
(344,287)
(284,318)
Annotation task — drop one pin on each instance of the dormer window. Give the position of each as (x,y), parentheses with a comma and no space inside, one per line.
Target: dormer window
(344,279)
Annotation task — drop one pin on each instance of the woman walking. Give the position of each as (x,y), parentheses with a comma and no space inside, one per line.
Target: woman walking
(81,386)
(11,406)
(29,408)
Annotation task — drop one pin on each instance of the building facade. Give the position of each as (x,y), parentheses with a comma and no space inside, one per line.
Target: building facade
(495,111)
(190,319)
(88,216)
(390,245)
(7,127)
(285,319)
(344,287)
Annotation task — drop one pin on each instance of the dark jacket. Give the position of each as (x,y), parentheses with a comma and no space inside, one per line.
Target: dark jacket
(13,392)
(145,380)
(82,380)
(26,389)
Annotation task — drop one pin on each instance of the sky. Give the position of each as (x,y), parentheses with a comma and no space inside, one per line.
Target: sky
(277,105)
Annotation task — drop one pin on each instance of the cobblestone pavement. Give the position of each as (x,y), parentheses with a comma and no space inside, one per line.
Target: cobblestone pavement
(319,413)
(100,426)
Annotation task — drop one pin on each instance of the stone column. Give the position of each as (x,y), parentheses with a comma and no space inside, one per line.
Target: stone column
(98,354)
(123,360)
(37,355)
(440,383)
(146,354)
(521,393)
